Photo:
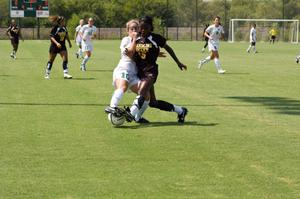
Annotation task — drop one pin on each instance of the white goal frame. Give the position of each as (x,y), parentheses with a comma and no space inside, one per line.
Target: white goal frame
(232,21)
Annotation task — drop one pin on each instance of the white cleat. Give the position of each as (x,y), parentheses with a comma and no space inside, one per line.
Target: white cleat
(67,76)
(203,50)
(200,64)
(221,71)
(47,76)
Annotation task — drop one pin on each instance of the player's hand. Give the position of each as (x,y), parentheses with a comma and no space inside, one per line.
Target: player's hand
(162,54)
(58,45)
(134,35)
(182,66)
(70,45)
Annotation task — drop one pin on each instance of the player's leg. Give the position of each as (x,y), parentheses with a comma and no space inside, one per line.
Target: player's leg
(217,62)
(52,56)
(249,48)
(167,106)
(64,56)
(208,58)
(85,60)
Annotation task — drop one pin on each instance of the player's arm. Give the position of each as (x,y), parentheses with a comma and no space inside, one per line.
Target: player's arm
(55,42)
(68,39)
(173,55)
(206,34)
(131,50)
(8,33)
(75,35)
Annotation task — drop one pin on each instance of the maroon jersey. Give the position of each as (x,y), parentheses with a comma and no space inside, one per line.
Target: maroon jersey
(147,51)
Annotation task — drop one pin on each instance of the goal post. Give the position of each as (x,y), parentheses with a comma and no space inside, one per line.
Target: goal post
(287,29)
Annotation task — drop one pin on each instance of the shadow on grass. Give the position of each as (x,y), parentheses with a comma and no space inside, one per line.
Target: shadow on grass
(281,105)
(97,70)
(83,78)
(160,124)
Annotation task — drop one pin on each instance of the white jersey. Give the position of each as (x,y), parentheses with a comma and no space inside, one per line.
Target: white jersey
(126,63)
(253,35)
(78,37)
(126,68)
(87,33)
(215,33)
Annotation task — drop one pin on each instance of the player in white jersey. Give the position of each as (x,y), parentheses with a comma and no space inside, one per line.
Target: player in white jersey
(214,33)
(252,39)
(125,74)
(87,32)
(78,39)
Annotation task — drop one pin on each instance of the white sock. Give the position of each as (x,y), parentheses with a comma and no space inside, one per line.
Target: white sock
(218,65)
(254,49)
(177,109)
(85,60)
(142,110)
(207,59)
(66,71)
(116,98)
(249,48)
(134,109)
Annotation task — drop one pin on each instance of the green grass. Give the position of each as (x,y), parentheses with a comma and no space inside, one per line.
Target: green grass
(241,138)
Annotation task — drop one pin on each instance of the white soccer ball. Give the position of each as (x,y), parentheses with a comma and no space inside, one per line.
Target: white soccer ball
(116,120)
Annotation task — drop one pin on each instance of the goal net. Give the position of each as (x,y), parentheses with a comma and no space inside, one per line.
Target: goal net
(287,30)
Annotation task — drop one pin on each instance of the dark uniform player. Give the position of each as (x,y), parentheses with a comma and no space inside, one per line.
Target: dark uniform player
(14,34)
(205,38)
(147,50)
(58,36)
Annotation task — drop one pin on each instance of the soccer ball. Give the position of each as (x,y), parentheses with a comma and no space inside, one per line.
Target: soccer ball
(116,120)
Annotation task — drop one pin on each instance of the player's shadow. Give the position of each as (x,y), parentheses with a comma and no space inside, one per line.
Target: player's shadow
(164,124)
(84,78)
(100,71)
(281,105)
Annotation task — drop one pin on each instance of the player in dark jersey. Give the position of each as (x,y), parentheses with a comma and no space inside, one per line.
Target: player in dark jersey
(148,46)
(58,36)
(205,38)
(14,34)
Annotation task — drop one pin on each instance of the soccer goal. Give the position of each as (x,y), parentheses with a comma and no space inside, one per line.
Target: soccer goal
(286,29)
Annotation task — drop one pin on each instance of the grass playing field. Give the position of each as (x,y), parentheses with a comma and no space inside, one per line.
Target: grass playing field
(241,138)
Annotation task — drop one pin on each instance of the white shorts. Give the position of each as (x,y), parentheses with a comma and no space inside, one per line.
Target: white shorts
(213,46)
(86,47)
(131,78)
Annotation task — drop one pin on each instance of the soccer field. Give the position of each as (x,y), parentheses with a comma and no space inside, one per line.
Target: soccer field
(241,138)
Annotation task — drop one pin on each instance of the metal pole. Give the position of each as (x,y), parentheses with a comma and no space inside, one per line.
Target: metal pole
(38,28)
(196,20)
(225,18)
(167,19)
(283,18)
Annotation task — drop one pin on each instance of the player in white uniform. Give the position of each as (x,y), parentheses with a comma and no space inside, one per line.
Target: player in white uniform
(125,74)
(87,32)
(78,39)
(214,33)
(252,39)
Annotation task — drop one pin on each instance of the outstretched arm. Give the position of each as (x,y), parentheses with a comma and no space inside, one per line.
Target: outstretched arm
(173,55)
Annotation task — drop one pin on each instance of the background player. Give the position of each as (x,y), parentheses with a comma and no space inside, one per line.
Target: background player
(205,38)
(273,34)
(78,38)
(87,33)
(214,32)
(252,39)
(58,36)
(14,34)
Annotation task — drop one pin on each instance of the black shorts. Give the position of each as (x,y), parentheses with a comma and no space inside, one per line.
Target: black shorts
(273,37)
(253,43)
(14,41)
(54,50)
(150,73)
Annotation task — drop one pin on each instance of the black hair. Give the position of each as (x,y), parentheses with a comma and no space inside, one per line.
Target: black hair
(147,20)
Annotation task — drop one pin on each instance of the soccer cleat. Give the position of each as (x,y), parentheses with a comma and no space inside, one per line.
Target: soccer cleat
(110,109)
(200,64)
(82,67)
(67,76)
(77,55)
(142,121)
(12,55)
(221,71)
(297,60)
(181,117)
(47,76)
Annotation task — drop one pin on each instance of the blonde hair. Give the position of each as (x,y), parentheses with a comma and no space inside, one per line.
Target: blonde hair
(56,19)
(131,22)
